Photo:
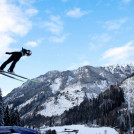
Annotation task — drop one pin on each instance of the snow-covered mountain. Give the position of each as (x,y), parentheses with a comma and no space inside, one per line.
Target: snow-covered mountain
(128,88)
(60,91)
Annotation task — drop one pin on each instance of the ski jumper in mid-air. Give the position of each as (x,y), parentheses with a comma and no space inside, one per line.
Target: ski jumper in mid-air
(14,58)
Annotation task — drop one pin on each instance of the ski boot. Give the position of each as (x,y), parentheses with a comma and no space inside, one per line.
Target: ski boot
(1,70)
(11,72)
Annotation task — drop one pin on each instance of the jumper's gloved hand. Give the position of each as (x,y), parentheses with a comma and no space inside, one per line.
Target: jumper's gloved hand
(8,53)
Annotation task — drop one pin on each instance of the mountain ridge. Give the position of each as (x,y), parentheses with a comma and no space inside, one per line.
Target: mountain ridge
(59,91)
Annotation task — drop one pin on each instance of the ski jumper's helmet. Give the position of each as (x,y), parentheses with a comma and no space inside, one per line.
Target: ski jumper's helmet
(26,52)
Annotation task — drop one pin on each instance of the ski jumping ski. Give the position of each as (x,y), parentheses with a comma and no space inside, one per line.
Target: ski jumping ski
(10,76)
(5,73)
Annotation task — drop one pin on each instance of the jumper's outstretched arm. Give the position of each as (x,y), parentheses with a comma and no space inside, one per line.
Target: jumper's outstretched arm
(9,52)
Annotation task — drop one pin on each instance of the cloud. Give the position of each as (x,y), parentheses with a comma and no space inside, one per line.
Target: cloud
(99,40)
(26,2)
(34,43)
(126,1)
(13,22)
(114,24)
(55,25)
(56,28)
(76,13)
(58,39)
(5,40)
(119,54)
(32,12)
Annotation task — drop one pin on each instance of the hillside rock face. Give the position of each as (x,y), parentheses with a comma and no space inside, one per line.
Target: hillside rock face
(60,91)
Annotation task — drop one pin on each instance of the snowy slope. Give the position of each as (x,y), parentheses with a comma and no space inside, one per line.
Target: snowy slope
(123,70)
(60,91)
(57,105)
(128,87)
(82,130)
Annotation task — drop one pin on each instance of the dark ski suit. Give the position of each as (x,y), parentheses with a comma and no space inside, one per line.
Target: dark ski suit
(14,58)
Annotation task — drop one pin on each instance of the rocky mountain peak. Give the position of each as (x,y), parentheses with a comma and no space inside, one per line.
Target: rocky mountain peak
(60,91)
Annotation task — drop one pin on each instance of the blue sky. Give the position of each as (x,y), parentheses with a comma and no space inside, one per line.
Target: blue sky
(65,34)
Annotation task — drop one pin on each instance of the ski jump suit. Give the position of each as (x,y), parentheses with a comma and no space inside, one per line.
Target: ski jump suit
(14,58)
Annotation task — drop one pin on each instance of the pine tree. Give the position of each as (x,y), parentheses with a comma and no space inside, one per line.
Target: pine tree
(17,117)
(1,110)
(7,117)
(13,119)
(54,132)
(50,132)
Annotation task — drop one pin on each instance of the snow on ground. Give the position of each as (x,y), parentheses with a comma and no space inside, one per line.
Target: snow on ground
(56,86)
(91,95)
(102,85)
(71,96)
(123,68)
(82,130)
(69,80)
(27,102)
(128,87)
